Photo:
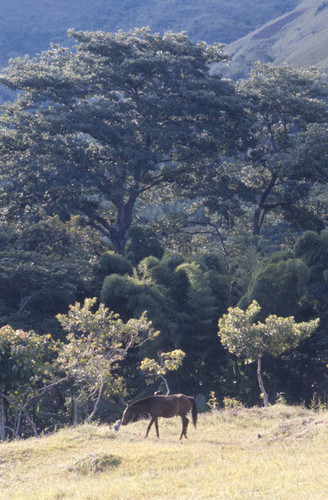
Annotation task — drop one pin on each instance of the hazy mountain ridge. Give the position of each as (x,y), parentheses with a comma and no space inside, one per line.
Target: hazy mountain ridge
(29,26)
(299,38)
(281,31)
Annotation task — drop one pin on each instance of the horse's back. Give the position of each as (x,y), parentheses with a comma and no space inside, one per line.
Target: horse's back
(185,403)
(180,396)
(184,397)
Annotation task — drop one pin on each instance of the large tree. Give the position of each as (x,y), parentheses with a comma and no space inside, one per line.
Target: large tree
(290,106)
(276,179)
(94,128)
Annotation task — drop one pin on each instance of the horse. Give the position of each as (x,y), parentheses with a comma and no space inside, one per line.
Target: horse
(163,406)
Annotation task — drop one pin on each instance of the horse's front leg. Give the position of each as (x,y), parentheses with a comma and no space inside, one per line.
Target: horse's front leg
(185,422)
(153,419)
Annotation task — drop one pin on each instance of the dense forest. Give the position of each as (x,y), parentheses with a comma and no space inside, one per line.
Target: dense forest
(143,196)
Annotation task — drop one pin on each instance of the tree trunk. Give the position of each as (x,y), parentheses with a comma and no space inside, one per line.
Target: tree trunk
(259,214)
(95,407)
(260,380)
(166,385)
(30,421)
(17,424)
(75,411)
(117,231)
(120,232)
(2,419)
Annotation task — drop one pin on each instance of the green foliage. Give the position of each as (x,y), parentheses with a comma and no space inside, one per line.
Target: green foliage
(121,112)
(43,268)
(120,131)
(212,402)
(96,343)
(183,298)
(130,297)
(112,263)
(249,340)
(310,152)
(231,404)
(312,248)
(25,360)
(173,259)
(143,243)
(280,286)
(168,361)
(290,104)
(286,96)
(243,337)
(24,357)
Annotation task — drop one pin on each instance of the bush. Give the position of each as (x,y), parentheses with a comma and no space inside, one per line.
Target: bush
(114,263)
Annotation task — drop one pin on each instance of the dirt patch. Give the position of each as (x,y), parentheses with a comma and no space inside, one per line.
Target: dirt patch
(273,28)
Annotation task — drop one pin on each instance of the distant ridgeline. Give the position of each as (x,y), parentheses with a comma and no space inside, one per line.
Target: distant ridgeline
(29,27)
(298,38)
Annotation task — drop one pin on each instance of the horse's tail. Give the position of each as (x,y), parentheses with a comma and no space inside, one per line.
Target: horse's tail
(194,411)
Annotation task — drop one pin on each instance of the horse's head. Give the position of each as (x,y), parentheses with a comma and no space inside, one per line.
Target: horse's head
(127,415)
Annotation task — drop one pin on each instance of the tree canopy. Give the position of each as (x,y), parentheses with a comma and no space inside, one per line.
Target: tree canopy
(243,337)
(287,102)
(93,129)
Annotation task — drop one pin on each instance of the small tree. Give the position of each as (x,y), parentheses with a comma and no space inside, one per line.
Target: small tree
(97,342)
(168,361)
(250,340)
(25,371)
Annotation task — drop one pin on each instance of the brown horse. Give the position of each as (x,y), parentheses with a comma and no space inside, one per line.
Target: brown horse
(163,406)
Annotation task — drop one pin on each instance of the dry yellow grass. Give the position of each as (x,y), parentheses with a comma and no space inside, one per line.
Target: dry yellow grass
(277,453)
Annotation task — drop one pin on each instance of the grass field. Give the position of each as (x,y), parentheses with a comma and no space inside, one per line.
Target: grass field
(276,453)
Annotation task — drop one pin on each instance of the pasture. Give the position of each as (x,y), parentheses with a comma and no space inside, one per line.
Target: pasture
(280,452)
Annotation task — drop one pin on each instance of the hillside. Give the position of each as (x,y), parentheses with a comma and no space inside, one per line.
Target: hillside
(30,26)
(274,453)
(298,38)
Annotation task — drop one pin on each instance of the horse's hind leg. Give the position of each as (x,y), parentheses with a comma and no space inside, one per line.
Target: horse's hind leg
(185,422)
(156,426)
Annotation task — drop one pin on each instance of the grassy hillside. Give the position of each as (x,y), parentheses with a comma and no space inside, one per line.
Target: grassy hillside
(298,38)
(275,453)
(29,26)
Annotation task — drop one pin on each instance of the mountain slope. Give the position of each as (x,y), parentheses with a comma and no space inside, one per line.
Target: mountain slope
(29,26)
(299,38)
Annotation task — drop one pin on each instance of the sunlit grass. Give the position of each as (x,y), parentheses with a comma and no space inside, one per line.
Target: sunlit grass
(277,453)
